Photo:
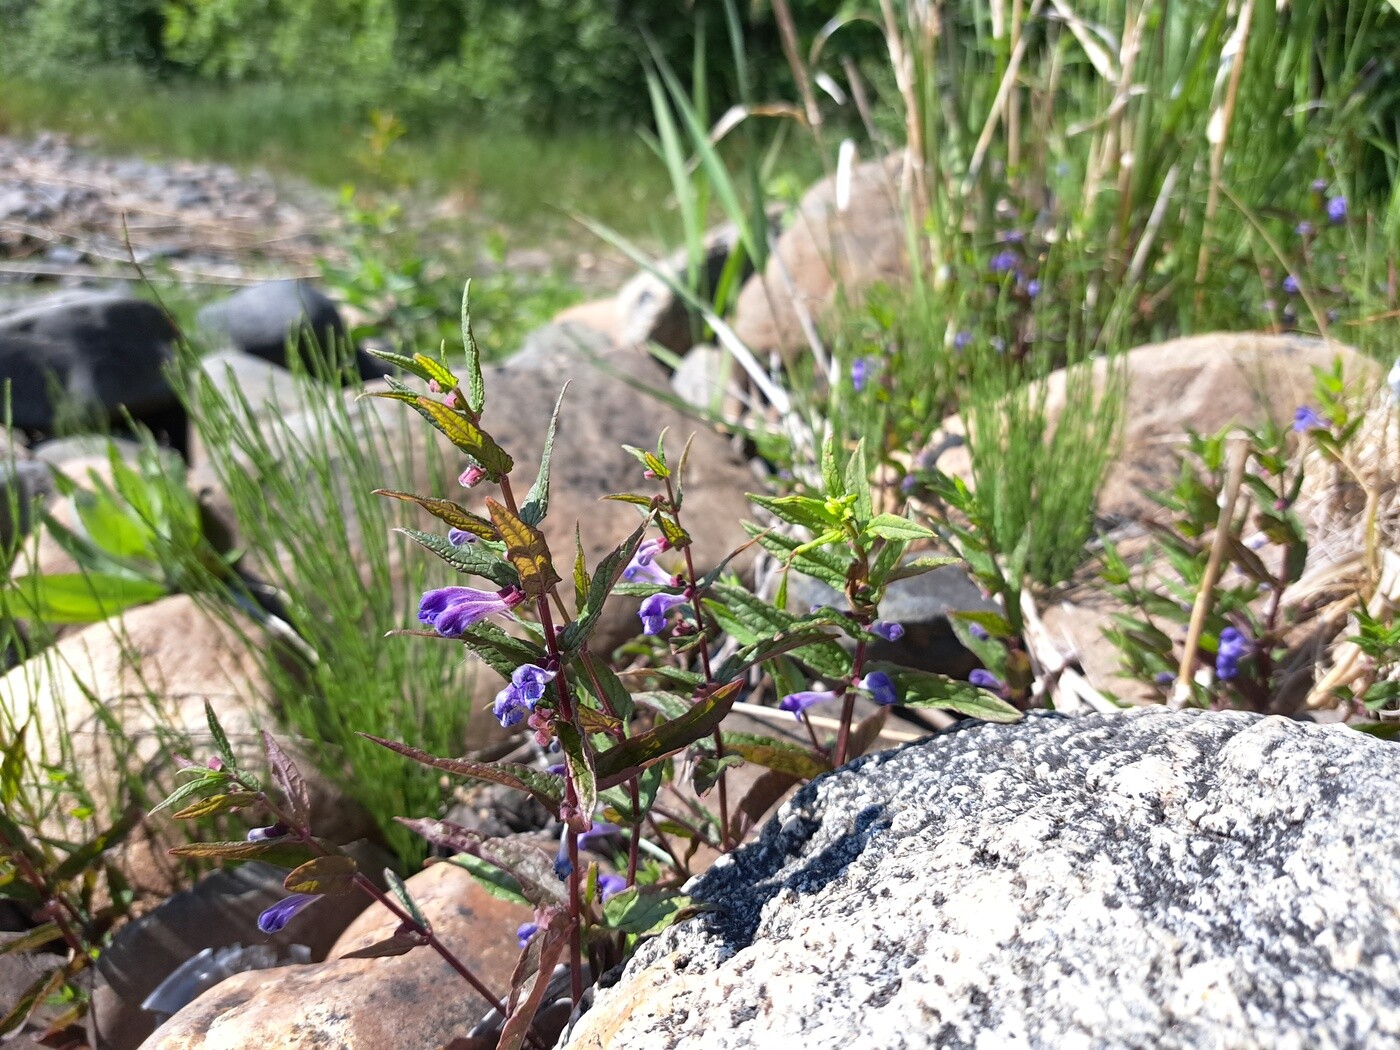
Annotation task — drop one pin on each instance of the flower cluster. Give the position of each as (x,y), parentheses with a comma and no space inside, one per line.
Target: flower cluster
(1234,647)
(878,684)
(451,611)
(527,687)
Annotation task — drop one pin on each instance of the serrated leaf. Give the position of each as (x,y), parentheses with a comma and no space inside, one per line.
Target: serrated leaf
(398,944)
(782,755)
(499,650)
(476,386)
(333,874)
(207,781)
(783,642)
(831,470)
(751,620)
(823,563)
(600,675)
(626,759)
(676,536)
(221,743)
(633,497)
(217,804)
(447,511)
(579,758)
(436,371)
(547,789)
(649,460)
(609,571)
(500,884)
(919,566)
(708,771)
(408,364)
(672,705)
(536,504)
(894,527)
(289,780)
(804,511)
(857,481)
(471,558)
(286,852)
(468,437)
(526,549)
(643,911)
(399,890)
(580,572)
(926,689)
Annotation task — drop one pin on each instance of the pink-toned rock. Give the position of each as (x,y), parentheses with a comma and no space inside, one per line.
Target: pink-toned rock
(827,249)
(406,1002)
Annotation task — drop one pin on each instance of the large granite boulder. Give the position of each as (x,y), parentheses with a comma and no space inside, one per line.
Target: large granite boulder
(1146,879)
(88,354)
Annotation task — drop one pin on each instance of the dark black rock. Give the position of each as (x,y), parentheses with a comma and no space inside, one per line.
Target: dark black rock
(265,319)
(86,354)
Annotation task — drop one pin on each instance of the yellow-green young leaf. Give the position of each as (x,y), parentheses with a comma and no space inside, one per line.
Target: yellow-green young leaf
(676,536)
(919,566)
(408,364)
(217,804)
(526,551)
(286,853)
(633,497)
(447,511)
(649,460)
(332,874)
(580,571)
(893,527)
(436,371)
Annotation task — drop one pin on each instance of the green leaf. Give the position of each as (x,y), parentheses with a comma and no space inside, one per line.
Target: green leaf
(637,498)
(285,852)
(580,571)
(408,364)
(805,511)
(919,566)
(619,797)
(221,744)
(44,933)
(649,460)
(333,874)
(223,803)
(12,767)
(111,527)
(781,755)
(580,760)
(495,881)
(476,386)
(827,564)
(751,620)
(37,992)
(709,770)
(536,504)
(672,705)
(572,637)
(502,652)
(207,780)
(616,694)
(831,469)
(626,759)
(471,558)
(405,899)
(547,789)
(447,511)
(926,689)
(643,910)
(676,536)
(526,549)
(858,483)
(84,597)
(893,527)
(766,649)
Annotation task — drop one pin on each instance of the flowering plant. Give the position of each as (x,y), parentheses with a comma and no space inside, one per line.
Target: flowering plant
(621,757)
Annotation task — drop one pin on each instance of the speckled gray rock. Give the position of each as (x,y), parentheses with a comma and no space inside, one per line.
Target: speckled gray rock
(1148,879)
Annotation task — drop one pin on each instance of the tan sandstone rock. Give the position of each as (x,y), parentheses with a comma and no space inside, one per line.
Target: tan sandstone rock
(408,1002)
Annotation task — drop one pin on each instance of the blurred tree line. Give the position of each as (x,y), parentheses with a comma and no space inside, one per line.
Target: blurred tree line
(542,63)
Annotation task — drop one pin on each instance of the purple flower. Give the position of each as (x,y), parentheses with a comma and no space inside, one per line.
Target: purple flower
(563,866)
(1306,419)
(655,610)
(1002,262)
(649,549)
(799,702)
(471,477)
(880,687)
(998,344)
(1014,237)
(961,340)
(276,917)
(601,829)
(861,368)
(272,831)
(1032,288)
(1337,209)
(1164,678)
(1234,647)
(1290,285)
(984,679)
(460,537)
(909,484)
(526,931)
(978,631)
(1304,229)
(610,885)
(643,568)
(451,610)
(527,686)
(556,770)
(1319,186)
(889,631)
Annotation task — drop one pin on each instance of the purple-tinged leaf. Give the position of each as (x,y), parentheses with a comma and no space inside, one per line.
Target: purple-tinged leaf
(631,756)
(401,943)
(289,779)
(446,511)
(333,874)
(547,789)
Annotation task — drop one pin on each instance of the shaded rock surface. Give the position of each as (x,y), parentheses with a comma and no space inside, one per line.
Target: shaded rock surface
(1146,879)
(410,1001)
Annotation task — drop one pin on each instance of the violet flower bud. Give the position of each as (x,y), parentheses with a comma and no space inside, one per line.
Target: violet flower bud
(655,610)
(888,630)
(984,679)
(276,917)
(799,702)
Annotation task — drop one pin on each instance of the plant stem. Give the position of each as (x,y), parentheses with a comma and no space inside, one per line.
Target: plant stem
(848,707)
